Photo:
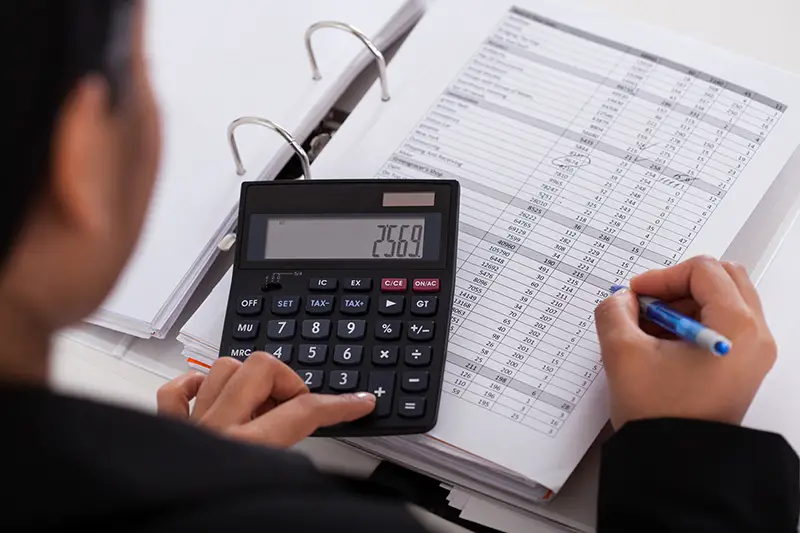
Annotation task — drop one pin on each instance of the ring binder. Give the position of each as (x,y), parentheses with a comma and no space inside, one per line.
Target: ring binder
(364,39)
(301,153)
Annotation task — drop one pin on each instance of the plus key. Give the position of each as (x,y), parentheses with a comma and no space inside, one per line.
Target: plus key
(381,384)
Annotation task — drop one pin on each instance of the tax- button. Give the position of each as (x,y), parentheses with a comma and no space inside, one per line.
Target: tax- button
(320,305)
(249,306)
(285,305)
(394,284)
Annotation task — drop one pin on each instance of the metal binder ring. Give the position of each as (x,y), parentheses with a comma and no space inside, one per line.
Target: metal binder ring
(240,170)
(364,39)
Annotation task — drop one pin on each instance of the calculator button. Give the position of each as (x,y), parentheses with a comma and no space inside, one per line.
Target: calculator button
(344,380)
(424,305)
(354,305)
(322,284)
(351,330)
(312,354)
(281,352)
(312,379)
(240,351)
(388,330)
(245,330)
(358,284)
(385,355)
(281,330)
(411,407)
(418,355)
(250,306)
(381,384)
(285,305)
(344,354)
(414,381)
(320,305)
(420,331)
(314,330)
(392,305)
(394,285)
(425,285)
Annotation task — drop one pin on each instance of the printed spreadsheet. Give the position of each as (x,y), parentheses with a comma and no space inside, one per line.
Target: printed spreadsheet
(583,162)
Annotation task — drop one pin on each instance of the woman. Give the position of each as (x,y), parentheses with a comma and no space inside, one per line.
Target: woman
(80,164)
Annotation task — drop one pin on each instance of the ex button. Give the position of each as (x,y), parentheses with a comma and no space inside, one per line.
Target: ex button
(394,284)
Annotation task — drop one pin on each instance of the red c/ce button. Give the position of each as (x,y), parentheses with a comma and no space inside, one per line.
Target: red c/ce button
(394,284)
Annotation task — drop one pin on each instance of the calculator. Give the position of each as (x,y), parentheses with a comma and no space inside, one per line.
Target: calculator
(350,283)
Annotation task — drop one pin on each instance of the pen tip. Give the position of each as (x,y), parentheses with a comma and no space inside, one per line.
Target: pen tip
(722,348)
(617,288)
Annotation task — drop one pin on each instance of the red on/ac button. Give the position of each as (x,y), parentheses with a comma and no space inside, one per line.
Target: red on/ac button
(394,284)
(426,285)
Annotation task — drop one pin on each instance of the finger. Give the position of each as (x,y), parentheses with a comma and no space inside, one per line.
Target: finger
(741,278)
(617,323)
(293,421)
(702,278)
(221,371)
(173,398)
(261,377)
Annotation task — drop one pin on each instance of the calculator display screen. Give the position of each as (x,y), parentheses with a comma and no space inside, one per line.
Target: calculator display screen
(347,238)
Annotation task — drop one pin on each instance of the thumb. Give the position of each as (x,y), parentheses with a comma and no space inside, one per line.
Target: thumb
(298,418)
(617,323)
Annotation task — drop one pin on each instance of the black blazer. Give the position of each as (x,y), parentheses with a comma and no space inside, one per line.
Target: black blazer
(72,465)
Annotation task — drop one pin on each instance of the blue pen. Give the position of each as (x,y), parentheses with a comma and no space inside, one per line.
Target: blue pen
(680,325)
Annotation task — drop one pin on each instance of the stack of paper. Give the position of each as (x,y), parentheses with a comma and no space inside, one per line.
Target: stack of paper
(602,149)
(211,63)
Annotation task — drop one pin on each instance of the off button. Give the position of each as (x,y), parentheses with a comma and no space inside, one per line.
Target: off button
(394,284)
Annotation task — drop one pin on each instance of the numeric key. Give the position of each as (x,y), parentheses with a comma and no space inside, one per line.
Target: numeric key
(351,330)
(312,354)
(281,330)
(315,330)
(344,380)
(312,378)
(281,352)
(346,355)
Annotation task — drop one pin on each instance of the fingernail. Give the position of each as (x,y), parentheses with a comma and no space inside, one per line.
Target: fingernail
(364,397)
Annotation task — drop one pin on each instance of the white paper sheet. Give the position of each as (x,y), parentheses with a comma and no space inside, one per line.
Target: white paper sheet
(571,134)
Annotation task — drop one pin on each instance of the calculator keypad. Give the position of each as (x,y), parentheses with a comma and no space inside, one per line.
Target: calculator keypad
(343,335)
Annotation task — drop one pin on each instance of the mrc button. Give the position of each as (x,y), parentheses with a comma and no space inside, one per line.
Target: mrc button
(394,284)
(240,351)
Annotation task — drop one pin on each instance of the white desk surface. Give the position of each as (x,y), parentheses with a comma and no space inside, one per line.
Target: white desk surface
(765,30)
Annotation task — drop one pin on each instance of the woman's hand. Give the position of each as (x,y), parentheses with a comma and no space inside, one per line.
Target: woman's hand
(260,401)
(652,377)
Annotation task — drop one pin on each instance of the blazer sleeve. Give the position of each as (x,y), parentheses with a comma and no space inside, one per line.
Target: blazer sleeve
(674,475)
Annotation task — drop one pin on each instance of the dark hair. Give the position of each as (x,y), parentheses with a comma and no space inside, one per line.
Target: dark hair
(51,45)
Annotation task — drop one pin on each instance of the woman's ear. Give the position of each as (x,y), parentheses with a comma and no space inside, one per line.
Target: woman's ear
(85,155)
